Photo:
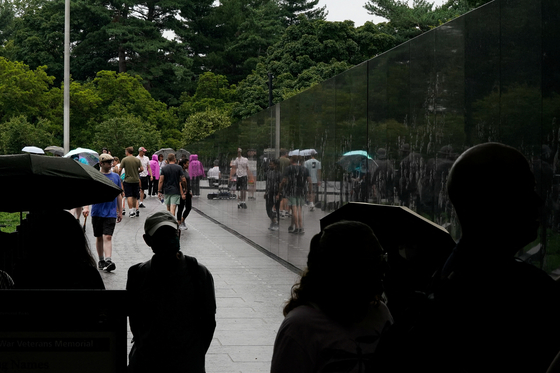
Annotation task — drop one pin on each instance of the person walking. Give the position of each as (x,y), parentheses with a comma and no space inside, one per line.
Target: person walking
(146,176)
(196,171)
(131,184)
(314,168)
(273,178)
(104,217)
(154,165)
(170,184)
(172,309)
(295,183)
(240,167)
(185,203)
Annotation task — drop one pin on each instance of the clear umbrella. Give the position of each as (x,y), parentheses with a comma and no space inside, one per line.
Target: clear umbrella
(91,156)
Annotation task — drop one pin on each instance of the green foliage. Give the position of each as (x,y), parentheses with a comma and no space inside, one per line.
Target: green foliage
(17,133)
(120,132)
(407,22)
(203,124)
(24,91)
(309,53)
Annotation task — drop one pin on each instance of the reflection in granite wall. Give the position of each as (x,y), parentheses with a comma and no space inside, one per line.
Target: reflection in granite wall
(490,75)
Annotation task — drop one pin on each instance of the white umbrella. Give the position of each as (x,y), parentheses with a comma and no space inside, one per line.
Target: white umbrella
(33,150)
(307,152)
(91,156)
(293,152)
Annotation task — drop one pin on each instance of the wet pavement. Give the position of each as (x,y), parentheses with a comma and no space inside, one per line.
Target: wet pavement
(253,270)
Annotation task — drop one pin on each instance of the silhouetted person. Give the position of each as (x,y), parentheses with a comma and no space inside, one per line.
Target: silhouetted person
(499,313)
(335,315)
(55,234)
(172,304)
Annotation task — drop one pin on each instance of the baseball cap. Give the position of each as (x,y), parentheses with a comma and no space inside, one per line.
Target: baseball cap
(105,157)
(158,220)
(142,149)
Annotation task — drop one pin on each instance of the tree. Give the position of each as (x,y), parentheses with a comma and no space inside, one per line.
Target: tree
(292,9)
(17,133)
(307,54)
(213,91)
(24,91)
(203,124)
(121,132)
(407,22)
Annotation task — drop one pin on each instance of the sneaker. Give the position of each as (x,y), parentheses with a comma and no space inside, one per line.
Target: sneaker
(101,264)
(291,229)
(137,213)
(142,205)
(123,212)
(239,205)
(110,266)
(244,205)
(300,231)
(132,215)
(275,227)
(183,226)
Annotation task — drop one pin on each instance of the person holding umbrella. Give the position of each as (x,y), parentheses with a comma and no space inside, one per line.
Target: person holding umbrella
(104,216)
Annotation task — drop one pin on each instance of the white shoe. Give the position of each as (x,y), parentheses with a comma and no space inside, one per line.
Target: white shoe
(183,226)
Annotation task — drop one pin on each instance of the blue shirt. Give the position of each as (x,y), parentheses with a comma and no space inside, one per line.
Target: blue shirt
(107,209)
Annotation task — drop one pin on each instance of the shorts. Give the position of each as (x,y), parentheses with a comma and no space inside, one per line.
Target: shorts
(296,201)
(131,190)
(171,199)
(144,181)
(242,183)
(103,226)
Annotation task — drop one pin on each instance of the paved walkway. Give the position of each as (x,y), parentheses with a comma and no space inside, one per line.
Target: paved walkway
(251,287)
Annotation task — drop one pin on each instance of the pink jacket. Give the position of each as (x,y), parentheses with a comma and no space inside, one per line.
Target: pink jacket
(154,164)
(195,167)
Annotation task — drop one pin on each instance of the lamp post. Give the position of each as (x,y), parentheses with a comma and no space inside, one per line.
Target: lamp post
(66,76)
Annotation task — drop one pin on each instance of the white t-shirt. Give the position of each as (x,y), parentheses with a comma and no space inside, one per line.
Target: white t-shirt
(242,165)
(145,164)
(214,173)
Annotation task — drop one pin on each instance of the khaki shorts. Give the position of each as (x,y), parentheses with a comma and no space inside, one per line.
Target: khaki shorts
(171,199)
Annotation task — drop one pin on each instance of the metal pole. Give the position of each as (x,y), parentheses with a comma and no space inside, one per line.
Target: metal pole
(66,76)
(270,89)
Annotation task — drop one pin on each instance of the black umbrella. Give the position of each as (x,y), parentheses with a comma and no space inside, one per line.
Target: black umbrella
(165,152)
(44,183)
(416,247)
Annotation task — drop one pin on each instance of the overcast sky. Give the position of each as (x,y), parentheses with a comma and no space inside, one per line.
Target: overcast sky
(341,10)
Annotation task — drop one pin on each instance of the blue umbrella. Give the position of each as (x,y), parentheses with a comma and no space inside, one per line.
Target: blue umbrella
(353,160)
(91,156)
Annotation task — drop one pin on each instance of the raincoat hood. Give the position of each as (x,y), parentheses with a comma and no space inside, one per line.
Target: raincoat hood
(155,157)
(193,157)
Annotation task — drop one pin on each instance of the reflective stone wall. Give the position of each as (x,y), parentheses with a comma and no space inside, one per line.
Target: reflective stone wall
(490,75)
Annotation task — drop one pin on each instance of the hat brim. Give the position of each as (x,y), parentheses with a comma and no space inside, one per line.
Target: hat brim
(161,224)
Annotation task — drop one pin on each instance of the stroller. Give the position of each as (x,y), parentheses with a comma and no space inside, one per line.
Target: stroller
(223,186)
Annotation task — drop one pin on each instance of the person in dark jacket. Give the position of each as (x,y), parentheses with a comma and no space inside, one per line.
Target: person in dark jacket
(273,178)
(172,304)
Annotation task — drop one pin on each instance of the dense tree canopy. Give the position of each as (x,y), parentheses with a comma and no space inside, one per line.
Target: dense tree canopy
(173,65)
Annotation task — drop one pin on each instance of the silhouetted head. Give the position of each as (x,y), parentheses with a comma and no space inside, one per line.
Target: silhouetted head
(345,268)
(493,191)
(161,233)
